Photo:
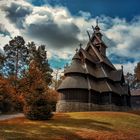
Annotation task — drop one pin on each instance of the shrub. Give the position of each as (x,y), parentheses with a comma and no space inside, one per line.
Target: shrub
(39,110)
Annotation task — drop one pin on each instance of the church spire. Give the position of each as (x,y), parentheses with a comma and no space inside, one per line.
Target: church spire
(97,29)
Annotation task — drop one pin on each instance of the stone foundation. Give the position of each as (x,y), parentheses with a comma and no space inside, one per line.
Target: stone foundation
(63,106)
(135,108)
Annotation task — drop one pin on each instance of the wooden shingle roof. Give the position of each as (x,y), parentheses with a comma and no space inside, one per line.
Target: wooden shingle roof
(96,71)
(116,75)
(74,82)
(87,56)
(75,67)
(104,86)
(76,56)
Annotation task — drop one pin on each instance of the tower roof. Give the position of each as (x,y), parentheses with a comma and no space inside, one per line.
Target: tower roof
(75,67)
(92,70)
(97,29)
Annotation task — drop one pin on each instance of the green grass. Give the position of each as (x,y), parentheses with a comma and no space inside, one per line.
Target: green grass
(74,126)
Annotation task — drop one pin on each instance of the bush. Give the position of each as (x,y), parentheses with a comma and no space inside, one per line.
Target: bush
(40,109)
(5,106)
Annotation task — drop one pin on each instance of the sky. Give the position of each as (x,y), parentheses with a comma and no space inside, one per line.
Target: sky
(61,25)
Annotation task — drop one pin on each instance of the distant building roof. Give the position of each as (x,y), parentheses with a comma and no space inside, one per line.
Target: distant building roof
(135,92)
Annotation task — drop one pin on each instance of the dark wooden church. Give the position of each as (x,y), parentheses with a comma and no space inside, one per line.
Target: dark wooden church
(92,82)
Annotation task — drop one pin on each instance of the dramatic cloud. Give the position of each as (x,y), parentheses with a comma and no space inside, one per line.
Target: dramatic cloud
(3,30)
(51,33)
(127,67)
(125,37)
(54,26)
(16,13)
(61,32)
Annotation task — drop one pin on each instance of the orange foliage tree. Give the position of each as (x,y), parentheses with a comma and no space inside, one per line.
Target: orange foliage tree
(9,100)
(38,97)
(27,79)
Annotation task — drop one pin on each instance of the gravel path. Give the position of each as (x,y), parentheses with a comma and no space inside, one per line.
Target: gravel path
(7,117)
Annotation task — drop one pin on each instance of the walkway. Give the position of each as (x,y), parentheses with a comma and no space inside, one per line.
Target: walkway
(7,117)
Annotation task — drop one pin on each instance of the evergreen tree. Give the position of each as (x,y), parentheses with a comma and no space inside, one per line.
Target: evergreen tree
(16,54)
(39,55)
(2,58)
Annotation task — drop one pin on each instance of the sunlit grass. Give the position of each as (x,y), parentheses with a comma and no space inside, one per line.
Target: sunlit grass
(74,126)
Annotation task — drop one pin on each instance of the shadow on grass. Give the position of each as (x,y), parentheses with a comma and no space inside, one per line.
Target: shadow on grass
(60,127)
(137,112)
(67,121)
(38,134)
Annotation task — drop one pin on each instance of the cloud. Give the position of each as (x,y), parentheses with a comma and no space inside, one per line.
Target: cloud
(84,14)
(3,30)
(127,67)
(54,35)
(62,32)
(54,26)
(16,13)
(121,59)
(4,40)
(125,37)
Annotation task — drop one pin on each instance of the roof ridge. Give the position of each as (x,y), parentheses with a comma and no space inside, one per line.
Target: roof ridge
(104,71)
(96,52)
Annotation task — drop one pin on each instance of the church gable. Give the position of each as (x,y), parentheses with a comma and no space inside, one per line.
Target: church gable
(92,53)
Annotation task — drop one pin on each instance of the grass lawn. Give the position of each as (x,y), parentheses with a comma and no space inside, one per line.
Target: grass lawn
(74,126)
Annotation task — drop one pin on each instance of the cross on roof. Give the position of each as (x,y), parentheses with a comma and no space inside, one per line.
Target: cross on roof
(80,45)
(97,22)
(76,49)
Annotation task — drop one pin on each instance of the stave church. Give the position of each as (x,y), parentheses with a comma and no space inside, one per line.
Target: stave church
(91,82)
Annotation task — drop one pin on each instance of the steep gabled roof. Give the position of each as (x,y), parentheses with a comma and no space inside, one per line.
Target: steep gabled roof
(99,86)
(116,75)
(86,55)
(117,88)
(96,71)
(74,82)
(75,67)
(101,41)
(102,58)
(76,56)
(105,76)
(105,86)
(107,62)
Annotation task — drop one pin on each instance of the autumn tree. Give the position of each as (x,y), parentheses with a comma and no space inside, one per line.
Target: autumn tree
(8,99)
(4,97)
(37,99)
(28,74)
(39,55)
(137,71)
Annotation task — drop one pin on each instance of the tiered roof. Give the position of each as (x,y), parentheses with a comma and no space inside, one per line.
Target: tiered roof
(91,69)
